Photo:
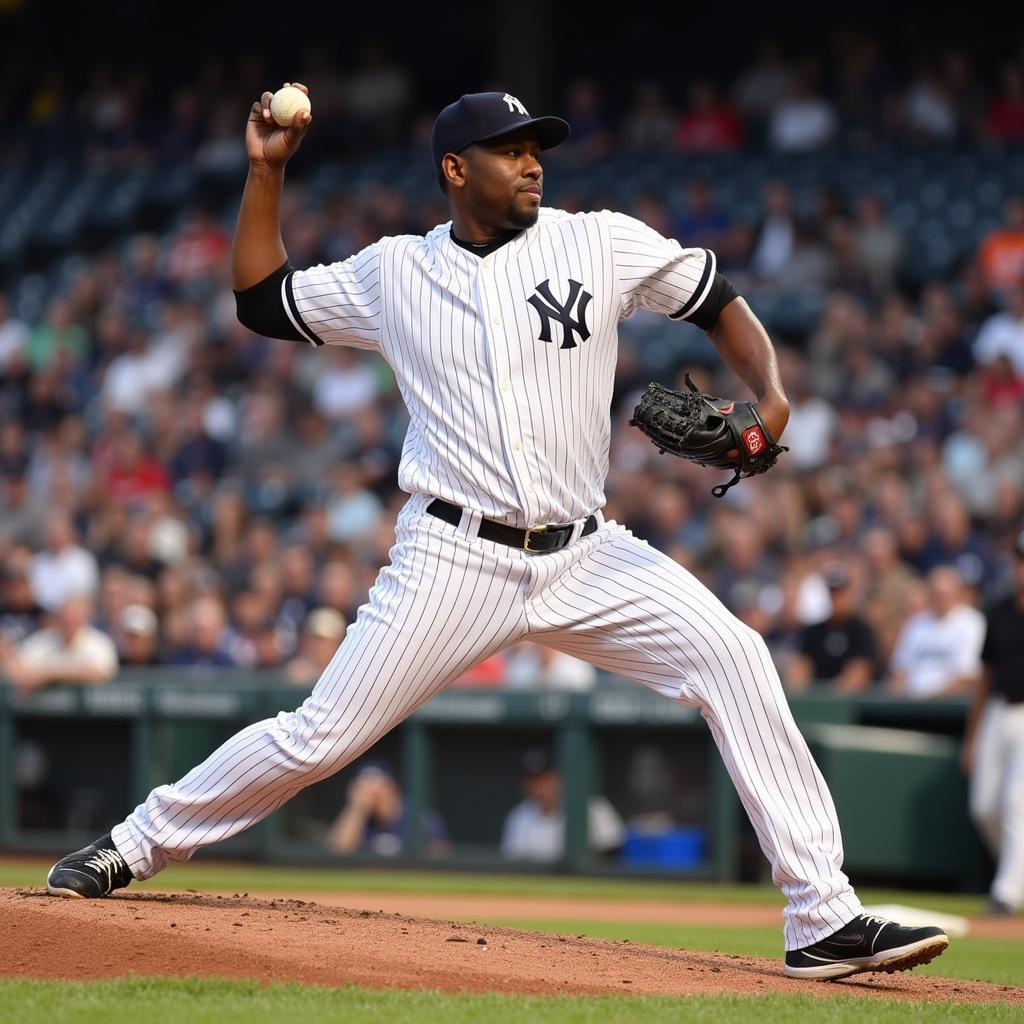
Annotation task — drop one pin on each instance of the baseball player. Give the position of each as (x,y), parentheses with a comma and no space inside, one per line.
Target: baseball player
(501,328)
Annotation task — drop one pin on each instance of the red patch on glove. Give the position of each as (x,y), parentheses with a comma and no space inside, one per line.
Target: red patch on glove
(753,440)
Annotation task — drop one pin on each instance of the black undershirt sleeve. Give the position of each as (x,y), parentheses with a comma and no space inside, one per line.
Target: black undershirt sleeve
(719,296)
(261,310)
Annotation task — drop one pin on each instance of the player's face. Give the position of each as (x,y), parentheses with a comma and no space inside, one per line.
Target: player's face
(504,179)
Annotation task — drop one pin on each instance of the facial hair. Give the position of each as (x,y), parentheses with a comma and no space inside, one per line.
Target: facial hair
(522,218)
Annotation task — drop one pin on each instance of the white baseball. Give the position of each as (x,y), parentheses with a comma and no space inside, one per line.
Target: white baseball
(286,102)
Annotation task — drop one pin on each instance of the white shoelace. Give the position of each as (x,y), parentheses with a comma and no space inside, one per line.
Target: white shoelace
(874,919)
(107,861)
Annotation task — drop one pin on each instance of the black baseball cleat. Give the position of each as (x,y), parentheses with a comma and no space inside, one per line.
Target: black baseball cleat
(94,871)
(867,943)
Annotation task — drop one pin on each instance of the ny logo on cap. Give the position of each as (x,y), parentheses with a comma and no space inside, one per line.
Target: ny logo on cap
(514,104)
(550,309)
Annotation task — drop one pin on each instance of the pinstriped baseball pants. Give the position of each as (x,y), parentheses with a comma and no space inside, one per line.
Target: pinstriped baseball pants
(446,601)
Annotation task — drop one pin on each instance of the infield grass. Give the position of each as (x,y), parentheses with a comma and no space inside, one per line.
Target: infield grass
(158,1001)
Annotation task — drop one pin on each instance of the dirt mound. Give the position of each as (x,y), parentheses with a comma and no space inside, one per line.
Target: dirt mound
(181,934)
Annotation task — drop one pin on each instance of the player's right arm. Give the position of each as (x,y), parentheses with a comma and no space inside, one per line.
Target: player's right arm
(337,304)
(258,250)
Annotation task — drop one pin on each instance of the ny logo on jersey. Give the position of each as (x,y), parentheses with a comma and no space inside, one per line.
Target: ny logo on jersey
(550,309)
(514,104)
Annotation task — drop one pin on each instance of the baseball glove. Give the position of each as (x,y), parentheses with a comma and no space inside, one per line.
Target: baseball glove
(706,430)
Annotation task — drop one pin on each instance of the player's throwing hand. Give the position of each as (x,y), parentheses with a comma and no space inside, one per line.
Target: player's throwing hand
(266,141)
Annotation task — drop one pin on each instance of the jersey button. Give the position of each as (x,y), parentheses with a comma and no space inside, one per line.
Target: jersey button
(505,385)
(488,263)
(496,321)
(529,488)
(517,445)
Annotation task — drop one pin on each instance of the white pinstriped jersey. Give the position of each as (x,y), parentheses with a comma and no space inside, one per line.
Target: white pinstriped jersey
(505,361)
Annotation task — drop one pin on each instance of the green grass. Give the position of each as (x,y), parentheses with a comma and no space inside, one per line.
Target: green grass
(207,875)
(994,960)
(153,1001)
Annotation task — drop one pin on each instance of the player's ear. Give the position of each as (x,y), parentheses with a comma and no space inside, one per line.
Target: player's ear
(453,169)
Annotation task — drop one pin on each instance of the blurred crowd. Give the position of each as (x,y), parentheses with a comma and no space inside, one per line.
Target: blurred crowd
(175,490)
(853,92)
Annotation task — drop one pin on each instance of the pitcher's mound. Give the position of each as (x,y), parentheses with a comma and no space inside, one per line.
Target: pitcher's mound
(182,934)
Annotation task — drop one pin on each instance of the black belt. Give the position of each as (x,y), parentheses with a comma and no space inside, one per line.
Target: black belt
(538,538)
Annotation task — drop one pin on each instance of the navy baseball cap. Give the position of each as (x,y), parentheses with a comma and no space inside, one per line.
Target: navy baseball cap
(487,115)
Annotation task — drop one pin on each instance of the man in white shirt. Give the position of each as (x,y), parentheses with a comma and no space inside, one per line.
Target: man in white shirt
(535,828)
(938,651)
(64,569)
(1002,334)
(70,651)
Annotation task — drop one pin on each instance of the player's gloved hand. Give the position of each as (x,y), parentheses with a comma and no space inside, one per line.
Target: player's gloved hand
(266,142)
(706,430)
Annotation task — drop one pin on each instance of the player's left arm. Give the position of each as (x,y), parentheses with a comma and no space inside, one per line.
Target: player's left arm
(746,349)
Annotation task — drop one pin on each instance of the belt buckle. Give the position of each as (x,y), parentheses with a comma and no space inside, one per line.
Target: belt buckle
(546,528)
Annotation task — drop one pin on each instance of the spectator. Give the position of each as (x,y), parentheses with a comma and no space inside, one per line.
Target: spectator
(13,338)
(137,636)
(880,246)
(928,112)
(1002,334)
(1005,118)
(377,95)
(938,650)
(353,512)
(344,385)
(708,125)
(535,828)
(63,569)
(69,651)
(1001,252)
(298,590)
(951,541)
(133,376)
(256,640)
(322,633)
(145,285)
(133,550)
(60,335)
(812,420)
(208,643)
(840,651)
(20,615)
(891,588)
(775,235)
(133,473)
(591,137)
(764,85)
(993,754)
(704,223)
(373,819)
(199,458)
(804,120)
(197,249)
(649,122)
